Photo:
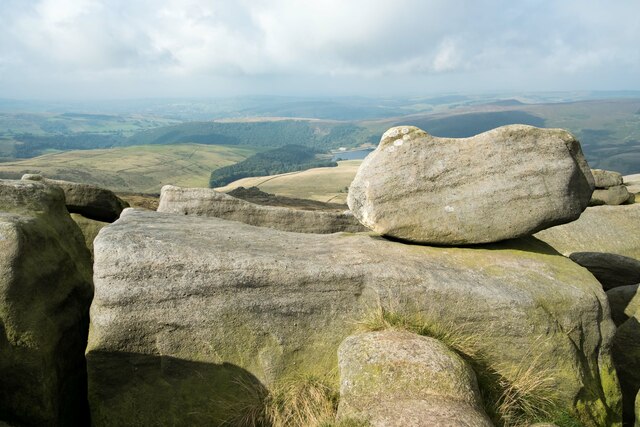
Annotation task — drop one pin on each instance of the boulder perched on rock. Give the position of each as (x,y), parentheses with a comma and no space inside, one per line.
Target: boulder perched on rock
(624,302)
(187,305)
(612,229)
(87,200)
(612,270)
(397,378)
(610,196)
(45,292)
(209,202)
(605,179)
(501,184)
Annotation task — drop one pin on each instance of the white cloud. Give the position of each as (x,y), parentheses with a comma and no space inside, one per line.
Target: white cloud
(253,42)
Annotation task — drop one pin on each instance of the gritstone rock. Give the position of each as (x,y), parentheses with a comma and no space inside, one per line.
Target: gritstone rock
(208,310)
(87,200)
(605,179)
(612,270)
(400,379)
(208,202)
(45,292)
(501,184)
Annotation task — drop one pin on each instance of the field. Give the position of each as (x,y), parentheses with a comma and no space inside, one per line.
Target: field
(322,184)
(133,169)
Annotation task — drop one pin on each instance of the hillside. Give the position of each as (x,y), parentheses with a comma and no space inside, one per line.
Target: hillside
(133,169)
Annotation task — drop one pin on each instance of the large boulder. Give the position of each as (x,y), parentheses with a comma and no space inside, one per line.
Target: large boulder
(185,305)
(87,200)
(612,229)
(501,184)
(397,378)
(605,179)
(209,202)
(609,196)
(612,270)
(45,293)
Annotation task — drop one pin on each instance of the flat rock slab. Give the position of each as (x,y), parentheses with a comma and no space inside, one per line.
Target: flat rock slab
(612,229)
(87,200)
(605,179)
(502,184)
(45,292)
(185,305)
(397,378)
(212,203)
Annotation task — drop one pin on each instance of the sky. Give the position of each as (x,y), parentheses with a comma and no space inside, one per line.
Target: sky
(92,49)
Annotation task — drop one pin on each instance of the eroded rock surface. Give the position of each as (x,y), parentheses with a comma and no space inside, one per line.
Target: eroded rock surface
(45,292)
(87,200)
(208,202)
(612,270)
(610,196)
(605,179)
(397,378)
(624,302)
(501,184)
(90,229)
(185,304)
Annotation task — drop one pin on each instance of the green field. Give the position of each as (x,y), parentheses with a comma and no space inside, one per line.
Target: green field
(322,184)
(136,169)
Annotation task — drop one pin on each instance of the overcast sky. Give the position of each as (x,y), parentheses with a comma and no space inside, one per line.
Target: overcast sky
(186,48)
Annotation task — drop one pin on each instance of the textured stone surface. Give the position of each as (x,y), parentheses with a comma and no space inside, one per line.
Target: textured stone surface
(612,270)
(624,302)
(633,183)
(605,179)
(397,378)
(609,196)
(208,202)
(88,200)
(501,184)
(626,356)
(45,292)
(185,304)
(612,229)
(90,229)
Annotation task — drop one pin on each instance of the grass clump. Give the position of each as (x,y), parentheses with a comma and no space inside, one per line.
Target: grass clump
(513,396)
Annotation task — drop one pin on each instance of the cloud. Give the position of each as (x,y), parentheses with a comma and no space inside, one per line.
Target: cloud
(253,42)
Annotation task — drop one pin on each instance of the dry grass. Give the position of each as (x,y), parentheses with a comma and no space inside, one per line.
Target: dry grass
(513,396)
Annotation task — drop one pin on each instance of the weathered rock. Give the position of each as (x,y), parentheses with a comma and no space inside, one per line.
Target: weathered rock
(611,270)
(637,423)
(397,378)
(612,229)
(501,184)
(605,179)
(633,183)
(45,292)
(185,304)
(624,302)
(612,196)
(89,228)
(626,357)
(208,202)
(87,200)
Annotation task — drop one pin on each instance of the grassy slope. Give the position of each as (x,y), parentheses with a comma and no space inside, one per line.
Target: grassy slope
(135,168)
(323,184)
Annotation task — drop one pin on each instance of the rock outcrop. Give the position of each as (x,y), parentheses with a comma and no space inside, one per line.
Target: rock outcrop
(501,184)
(87,200)
(90,229)
(209,202)
(612,229)
(45,292)
(624,302)
(612,270)
(397,378)
(186,305)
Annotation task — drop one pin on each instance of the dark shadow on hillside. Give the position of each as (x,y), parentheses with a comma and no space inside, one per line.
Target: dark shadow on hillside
(524,244)
(138,389)
(466,125)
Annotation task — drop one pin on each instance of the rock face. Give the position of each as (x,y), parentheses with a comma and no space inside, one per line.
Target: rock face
(45,292)
(90,229)
(605,179)
(610,196)
(208,202)
(501,184)
(396,378)
(626,356)
(87,200)
(185,305)
(637,423)
(612,229)
(611,270)
(624,302)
